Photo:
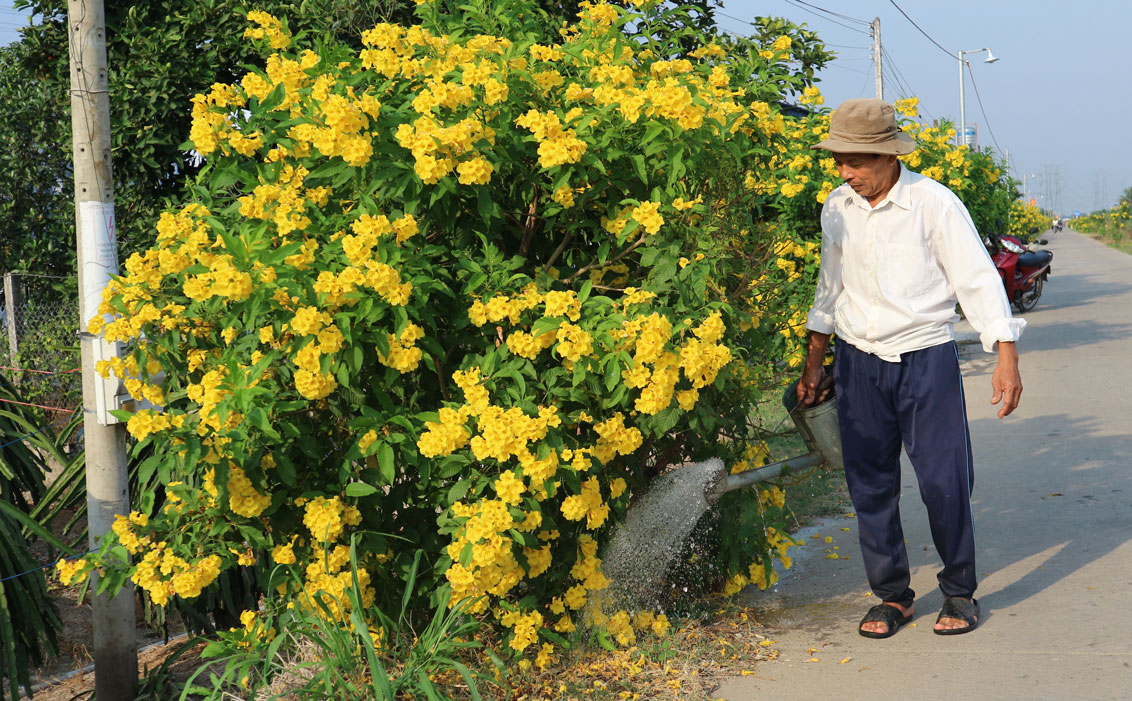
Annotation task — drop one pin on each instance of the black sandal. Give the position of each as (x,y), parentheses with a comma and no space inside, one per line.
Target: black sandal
(964,610)
(883,613)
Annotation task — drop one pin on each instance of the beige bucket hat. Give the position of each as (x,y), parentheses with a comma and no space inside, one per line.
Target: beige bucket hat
(866,125)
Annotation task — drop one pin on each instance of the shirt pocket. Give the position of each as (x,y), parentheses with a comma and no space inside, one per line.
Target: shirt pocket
(911,271)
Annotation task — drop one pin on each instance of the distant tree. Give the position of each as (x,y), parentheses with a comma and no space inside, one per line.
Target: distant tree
(1126,198)
(160,54)
(35,159)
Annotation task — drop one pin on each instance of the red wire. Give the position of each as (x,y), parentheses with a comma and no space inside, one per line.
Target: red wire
(39,406)
(41,372)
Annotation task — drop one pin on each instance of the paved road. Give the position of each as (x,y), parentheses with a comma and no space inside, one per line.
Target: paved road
(1053,519)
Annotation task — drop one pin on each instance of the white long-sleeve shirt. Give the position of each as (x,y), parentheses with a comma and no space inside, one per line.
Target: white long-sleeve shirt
(891,274)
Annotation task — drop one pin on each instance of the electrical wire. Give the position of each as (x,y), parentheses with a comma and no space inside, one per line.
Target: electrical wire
(890,72)
(901,81)
(752,24)
(41,372)
(835,64)
(742,21)
(39,406)
(921,30)
(897,75)
(22,438)
(49,564)
(830,12)
(984,112)
(864,85)
(828,19)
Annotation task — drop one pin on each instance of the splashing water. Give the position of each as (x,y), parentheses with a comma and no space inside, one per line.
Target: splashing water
(643,547)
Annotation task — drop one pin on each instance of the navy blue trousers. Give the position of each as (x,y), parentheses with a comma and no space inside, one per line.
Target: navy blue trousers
(917,402)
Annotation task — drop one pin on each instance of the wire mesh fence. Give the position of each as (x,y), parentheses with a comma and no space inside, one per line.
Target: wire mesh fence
(39,317)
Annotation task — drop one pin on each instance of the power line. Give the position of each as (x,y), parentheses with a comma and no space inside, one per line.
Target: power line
(980,100)
(828,19)
(742,21)
(833,64)
(869,75)
(752,24)
(896,77)
(921,30)
(901,80)
(830,12)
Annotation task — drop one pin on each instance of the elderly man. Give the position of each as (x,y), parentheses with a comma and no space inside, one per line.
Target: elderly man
(898,251)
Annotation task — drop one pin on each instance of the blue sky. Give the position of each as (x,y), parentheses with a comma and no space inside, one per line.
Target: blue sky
(1057,100)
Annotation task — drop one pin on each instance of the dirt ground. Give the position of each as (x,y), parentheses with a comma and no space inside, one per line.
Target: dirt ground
(69,674)
(78,683)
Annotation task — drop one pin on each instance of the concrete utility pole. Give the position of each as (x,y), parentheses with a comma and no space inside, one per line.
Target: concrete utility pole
(877,58)
(115,642)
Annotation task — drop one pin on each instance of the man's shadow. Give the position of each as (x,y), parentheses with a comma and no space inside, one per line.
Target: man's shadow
(1034,528)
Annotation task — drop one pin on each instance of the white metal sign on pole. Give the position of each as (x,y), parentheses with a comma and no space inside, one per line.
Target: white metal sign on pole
(100,261)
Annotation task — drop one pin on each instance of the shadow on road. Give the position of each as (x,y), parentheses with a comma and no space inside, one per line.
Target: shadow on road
(1039,336)
(1036,527)
(1079,289)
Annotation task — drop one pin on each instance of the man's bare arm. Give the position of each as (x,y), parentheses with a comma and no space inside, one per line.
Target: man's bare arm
(814,370)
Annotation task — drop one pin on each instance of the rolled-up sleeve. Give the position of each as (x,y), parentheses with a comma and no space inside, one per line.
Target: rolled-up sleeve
(830,285)
(976,281)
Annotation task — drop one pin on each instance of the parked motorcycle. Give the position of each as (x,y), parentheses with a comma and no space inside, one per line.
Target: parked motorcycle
(1023,266)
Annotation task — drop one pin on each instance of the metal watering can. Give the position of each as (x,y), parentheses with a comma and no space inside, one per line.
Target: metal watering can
(819,428)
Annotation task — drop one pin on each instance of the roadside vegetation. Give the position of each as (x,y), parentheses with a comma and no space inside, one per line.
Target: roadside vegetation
(1112,227)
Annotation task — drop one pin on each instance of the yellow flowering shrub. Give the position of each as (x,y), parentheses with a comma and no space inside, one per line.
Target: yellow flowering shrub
(465,291)
(1024,217)
(1113,222)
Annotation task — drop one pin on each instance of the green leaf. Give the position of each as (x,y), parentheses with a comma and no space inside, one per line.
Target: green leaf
(648,255)
(662,272)
(34,527)
(639,164)
(360,489)
(385,462)
(458,490)
(584,293)
(274,98)
(604,640)
(612,373)
(546,323)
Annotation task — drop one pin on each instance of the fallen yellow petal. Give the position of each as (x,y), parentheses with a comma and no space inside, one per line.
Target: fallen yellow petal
(767,643)
(746,672)
(829,539)
(813,659)
(845,529)
(845,660)
(831,557)
(811,651)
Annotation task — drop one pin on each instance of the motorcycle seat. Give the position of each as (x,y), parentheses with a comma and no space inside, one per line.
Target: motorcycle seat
(1034,259)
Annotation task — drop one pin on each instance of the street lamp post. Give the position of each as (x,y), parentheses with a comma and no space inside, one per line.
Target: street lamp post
(991,58)
(1026,177)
